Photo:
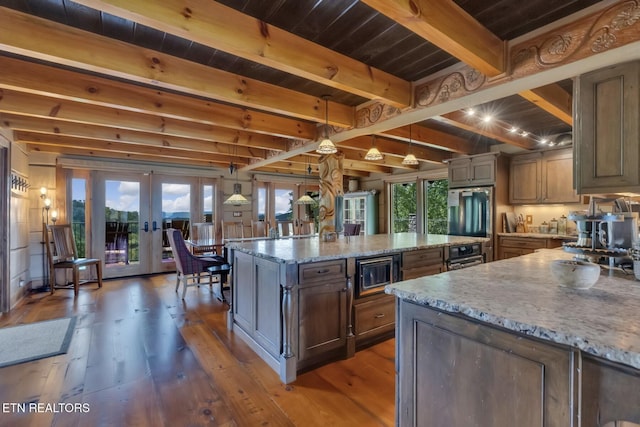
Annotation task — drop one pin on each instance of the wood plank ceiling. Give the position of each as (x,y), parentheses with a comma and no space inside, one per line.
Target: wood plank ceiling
(206,83)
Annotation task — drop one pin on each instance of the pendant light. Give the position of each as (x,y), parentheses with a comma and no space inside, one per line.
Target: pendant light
(373,153)
(236,198)
(305,199)
(326,145)
(410,158)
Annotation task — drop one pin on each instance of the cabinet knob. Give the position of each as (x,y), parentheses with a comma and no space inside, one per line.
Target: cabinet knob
(378,316)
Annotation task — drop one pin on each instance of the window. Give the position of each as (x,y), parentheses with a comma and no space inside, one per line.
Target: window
(207,203)
(436,206)
(78,214)
(403,207)
(283,206)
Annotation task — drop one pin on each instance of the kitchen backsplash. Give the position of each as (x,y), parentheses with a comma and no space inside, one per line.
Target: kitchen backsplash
(545,213)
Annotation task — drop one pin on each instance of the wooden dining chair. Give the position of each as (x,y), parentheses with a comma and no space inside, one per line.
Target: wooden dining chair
(306,228)
(259,228)
(202,233)
(352,229)
(62,253)
(232,230)
(285,228)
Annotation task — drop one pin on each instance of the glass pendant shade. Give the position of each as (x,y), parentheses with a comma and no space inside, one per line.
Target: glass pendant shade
(236,199)
(305,200)
(326,147)
(410,159)
(373,154)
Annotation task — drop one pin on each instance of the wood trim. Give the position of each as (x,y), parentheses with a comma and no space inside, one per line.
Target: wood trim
(4,231)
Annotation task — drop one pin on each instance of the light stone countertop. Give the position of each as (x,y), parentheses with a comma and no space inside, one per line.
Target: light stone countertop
(311,249)
(521,295)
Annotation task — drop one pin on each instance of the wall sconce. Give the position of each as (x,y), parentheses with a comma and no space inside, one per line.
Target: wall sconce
(54,216)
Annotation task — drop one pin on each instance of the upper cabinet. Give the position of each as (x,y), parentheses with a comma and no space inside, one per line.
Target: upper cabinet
(607,130)
(542,177)
(472,170)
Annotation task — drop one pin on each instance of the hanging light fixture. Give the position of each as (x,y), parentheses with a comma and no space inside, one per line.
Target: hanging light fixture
(410,158)
(236,198)
(326,145)
(305,199)
(373,153)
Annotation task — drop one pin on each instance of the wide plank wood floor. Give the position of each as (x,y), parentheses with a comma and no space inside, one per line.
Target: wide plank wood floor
(140,356)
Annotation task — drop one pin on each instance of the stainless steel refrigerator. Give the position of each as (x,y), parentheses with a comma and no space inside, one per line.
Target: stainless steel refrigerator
(470,212)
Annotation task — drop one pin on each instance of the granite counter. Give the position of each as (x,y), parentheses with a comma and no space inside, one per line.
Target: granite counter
(312,249)
(520,294)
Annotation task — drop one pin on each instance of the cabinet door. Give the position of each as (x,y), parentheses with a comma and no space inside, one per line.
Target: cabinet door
(243,291)
(267,326)
(606,126)
(322,319)
(557,172)
(525,179)
(455,371)
(483,171)
(459,173)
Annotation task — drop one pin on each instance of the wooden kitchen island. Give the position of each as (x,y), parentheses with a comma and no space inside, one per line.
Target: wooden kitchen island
(293,300)
(503,344)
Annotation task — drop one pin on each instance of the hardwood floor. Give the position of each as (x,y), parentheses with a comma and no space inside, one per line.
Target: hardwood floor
(140,356)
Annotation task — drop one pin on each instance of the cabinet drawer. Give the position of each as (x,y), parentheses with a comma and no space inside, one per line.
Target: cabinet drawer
(524,242)
(321,271)
(374,317)
(422,257)
(412,273)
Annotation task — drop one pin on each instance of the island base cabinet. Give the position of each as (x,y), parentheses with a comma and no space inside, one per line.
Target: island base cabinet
(322,322)
(455,372)
(610,394)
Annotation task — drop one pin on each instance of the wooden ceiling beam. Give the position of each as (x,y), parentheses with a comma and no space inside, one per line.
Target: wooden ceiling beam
(440,22)
(422,135)
(460,120)
(34,106)
(64,142)
(553,99)
(45,40)
(391,148)
(111,154)
(220,27)
(38,79)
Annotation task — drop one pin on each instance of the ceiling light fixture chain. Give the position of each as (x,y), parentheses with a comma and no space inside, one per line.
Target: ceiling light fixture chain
(410,158)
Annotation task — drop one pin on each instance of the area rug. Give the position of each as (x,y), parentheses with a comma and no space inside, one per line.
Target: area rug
(33,341)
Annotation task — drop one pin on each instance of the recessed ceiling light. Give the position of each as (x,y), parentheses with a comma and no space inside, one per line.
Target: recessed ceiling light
(487,118)
(471,112)
(513,129)
(524,133)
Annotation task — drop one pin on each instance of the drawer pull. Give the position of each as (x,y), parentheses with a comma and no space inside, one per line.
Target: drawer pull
(326,270)
(379,316)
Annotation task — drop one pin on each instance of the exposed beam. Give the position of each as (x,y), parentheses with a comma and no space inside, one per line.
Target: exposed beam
(422,135)
(391,148)
(448,26)
(220,27)
(41,39)
(553,99)
(462,121)
(35,106)
(38,79)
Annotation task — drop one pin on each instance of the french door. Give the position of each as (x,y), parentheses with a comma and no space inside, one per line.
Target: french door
(130,215)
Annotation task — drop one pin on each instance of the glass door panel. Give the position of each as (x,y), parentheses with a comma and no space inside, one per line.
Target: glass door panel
(121,209)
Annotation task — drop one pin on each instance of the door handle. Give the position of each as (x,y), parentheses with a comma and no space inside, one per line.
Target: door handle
(146,226)
(154,225)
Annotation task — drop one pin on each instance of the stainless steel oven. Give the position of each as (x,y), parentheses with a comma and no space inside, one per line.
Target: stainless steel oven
(373,274)
(464,256)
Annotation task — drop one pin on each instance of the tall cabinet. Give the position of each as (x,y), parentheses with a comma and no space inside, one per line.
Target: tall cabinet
(361,207)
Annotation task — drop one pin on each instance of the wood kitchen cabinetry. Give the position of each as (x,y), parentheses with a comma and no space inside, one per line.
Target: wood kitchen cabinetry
(607,130)
(542,177)
(422,262)
(322,311)
(519,378)
(509,247)
(374,319)
(472,171)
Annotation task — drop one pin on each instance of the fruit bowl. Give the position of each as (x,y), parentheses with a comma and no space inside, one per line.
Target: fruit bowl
(575,274)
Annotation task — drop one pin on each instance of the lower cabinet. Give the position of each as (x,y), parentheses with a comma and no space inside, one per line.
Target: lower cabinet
(374,319)
(509,247)
(422,262)
(322,311)
(457,372)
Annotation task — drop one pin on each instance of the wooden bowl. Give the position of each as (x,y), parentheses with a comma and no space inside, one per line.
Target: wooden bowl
(575,274)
